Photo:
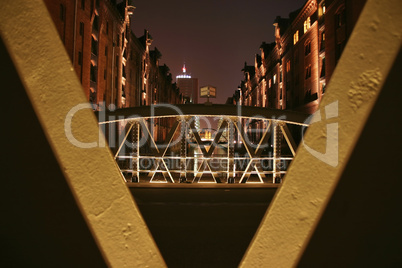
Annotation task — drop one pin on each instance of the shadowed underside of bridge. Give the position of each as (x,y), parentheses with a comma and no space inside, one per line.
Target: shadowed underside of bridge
(203,143)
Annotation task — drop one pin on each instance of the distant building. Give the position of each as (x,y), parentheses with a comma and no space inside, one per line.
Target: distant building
(188,87)
(292,72)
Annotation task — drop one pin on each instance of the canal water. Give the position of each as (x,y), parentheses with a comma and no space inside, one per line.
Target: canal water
(203,227)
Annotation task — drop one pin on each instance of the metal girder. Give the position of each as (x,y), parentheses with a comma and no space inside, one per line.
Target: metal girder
(122,143)
(289,139)
(160,152)
(264,139)
(214,110)
(253,154)
(253,162)
(205,153)
(150,139)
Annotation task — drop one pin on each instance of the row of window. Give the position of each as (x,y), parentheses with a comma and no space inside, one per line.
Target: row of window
(307,23)
(307,47)
(94,45)
(306,26)
(340,21)
(307,73)
(63,9)
(95,24)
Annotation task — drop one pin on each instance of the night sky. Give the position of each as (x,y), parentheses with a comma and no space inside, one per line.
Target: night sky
(213,37)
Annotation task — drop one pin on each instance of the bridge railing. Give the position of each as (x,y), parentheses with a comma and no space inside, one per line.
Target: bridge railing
(204,146)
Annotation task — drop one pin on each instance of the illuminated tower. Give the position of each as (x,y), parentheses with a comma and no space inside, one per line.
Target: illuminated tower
(188,86)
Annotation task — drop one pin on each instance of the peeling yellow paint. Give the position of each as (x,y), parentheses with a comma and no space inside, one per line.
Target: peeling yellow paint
(365,88)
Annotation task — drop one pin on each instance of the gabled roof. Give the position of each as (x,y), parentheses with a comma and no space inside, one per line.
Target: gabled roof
(282,23)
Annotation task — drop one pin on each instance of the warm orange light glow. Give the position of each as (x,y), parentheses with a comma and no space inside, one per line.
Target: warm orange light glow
(296,37)
(307,24)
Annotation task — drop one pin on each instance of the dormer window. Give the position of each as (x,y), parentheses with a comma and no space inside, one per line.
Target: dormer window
(307,24)
(321,9)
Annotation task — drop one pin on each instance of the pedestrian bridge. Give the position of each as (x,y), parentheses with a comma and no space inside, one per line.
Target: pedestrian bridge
(202,143)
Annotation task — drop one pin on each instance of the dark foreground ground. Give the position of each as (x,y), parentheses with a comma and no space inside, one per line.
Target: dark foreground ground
(203,227)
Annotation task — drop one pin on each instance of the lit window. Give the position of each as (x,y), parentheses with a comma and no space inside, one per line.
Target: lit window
(269,83)
(288,66)
(274,79)
(307,24)
(321,9)
(322,47)
(296,37)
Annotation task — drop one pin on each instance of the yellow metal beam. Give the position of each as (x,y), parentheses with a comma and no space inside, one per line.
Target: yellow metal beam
(72,131)
(292,217)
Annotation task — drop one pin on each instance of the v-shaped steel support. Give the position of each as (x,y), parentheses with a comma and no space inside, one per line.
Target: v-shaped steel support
(159,153)
(207,154)
(253,164)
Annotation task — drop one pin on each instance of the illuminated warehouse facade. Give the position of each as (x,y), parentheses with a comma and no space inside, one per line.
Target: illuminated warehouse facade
(292,72)
(113,65)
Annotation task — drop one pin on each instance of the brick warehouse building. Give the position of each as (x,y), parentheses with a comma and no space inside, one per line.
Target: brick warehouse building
(113,65)
(292,72)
